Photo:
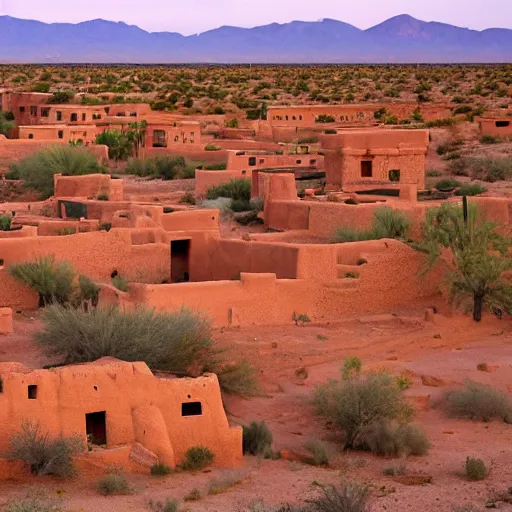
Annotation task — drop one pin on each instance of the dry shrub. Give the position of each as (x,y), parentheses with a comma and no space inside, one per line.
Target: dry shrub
(475,469)
(171,342)
(197,457)
(319,455)
(257,439)
(355,405)
(228,480)
(114,484)
(347,497)
(169,505)
(42,454)
(393,439)
(478,402)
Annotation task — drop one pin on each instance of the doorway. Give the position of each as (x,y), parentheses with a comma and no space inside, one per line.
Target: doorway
(180,256)
(96,428)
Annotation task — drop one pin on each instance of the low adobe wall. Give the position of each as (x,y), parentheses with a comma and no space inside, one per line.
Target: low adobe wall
(89,186)
(112,250)
(66,227)
(390,278)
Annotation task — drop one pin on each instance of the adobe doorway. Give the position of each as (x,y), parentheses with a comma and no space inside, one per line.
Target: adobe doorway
(180,261)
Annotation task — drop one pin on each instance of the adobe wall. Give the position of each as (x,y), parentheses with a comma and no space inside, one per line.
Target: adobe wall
(55,227)
(265,161)
(138,408)
(194,152)
(262,299)
(88,186)
(85,133)
(114,248)
(20,233)
(501,127)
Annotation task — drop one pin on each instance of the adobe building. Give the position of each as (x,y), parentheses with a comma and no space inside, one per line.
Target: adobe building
(355,158)
(85,134)
(120,407)
(495,127)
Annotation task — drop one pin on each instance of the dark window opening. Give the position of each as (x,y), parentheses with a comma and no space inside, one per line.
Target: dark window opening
(84,116)
(115,273)
(244,172)
(60,134)
(298,162)
(312,162)
(1,385)
(252,160)
(159,139)
(32,392)
(33,111)
(96,428)
(502,124)
(191,409)
(133,114)
(180,261)
(58,115)
(394,175)
(45,112)
(300,118)
(74,117)
(121,114)
(366,169)
(1,262)
(30,135)
(262,160)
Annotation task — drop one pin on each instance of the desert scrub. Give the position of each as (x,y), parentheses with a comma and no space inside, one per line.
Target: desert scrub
(257,439)
(351,367)
(225,482)
(364,409)
(163,167)
(171,342)
(346,497)
(42,454)
(318,451)
(447,184)
(193,495)
(37,170)
(395,439)
(478,402)
(120,283)
(169,505)
(197,458)
(114,484)
(160,470)
(475,469)
(471,189)
(387,223)
(237,189)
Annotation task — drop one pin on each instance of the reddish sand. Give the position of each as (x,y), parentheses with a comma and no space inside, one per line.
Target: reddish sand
(399,343)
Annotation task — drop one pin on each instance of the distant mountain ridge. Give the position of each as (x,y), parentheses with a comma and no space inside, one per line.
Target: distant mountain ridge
(401,39)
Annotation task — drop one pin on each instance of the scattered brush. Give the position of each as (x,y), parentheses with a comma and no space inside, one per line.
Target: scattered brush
(197,458)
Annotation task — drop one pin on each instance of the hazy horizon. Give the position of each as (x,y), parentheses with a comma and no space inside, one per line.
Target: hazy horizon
(158,15)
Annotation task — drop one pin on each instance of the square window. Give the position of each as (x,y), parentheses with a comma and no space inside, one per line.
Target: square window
(32,392)
(33,111)
(366,169)
(191,409)
(252,160)
(502,124)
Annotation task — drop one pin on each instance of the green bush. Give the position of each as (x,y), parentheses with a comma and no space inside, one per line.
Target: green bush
(240,205)
(387,223)
(470,189)
(447,184)
(37,170)
(478,402)
(42,454)
(319,456)
(188,198)
(5,222)
(160,470)
(238,189)
(53,281)
(257,439)
(347,497)
(120,145)
(120,283)
(393,440)
(169,505)
(89,290)
(488,139)
(114,484)
(354,406)
(212,147)
(351,367)
(237,379)
(164,167)
(197,458)
(324,118)
(475,469)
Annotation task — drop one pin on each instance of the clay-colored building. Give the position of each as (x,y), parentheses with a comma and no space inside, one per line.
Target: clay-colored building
(115,404)
(84,133)
(496,127)
(375,157)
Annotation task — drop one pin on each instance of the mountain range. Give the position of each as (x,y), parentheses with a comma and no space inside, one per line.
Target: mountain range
(401,39)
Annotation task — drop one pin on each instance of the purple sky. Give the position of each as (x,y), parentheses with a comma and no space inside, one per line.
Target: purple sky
(193,16)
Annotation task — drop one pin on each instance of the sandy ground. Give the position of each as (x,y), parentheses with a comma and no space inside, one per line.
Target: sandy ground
(450,350)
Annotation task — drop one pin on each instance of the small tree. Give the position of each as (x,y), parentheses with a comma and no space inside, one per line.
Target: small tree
(479,256)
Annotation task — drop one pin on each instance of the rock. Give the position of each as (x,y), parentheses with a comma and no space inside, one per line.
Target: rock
(433,382)
(143,456)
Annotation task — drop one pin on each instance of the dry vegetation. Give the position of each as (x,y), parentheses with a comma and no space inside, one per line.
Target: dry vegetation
(244,89)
